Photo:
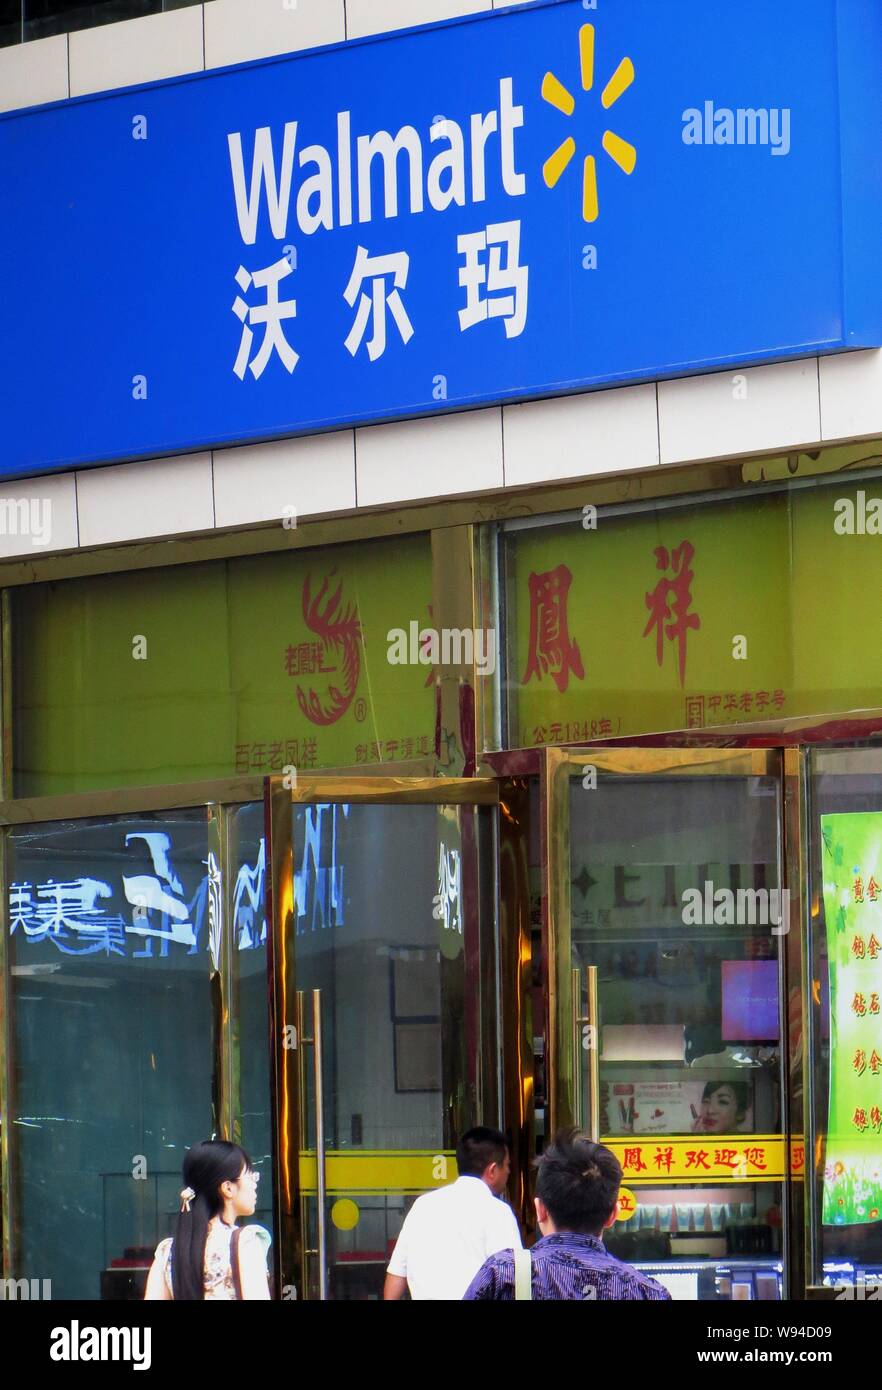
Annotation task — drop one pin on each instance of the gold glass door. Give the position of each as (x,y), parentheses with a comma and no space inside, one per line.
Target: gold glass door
(384,993)
(667,1039)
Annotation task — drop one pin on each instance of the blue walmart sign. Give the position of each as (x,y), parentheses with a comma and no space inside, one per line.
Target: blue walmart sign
(543,200)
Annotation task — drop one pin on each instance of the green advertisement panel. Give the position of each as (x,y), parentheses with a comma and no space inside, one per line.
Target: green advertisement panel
(244,666)
(851,866)
(692,617)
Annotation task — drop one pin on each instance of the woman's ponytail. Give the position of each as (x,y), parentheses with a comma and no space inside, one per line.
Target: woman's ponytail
(188,1250)
(206,1166)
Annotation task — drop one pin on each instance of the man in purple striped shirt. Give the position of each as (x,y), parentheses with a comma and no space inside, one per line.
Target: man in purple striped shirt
(577,1192)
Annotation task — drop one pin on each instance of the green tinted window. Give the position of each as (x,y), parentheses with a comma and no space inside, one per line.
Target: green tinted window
(203,671)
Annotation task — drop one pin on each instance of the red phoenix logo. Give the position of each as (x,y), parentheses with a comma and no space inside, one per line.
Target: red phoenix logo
(336,654)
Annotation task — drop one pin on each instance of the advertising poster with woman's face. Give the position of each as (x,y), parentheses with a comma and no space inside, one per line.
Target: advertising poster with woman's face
(693,1106)
(723,1108)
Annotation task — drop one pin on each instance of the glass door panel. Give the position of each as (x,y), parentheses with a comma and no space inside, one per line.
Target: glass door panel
(844,1005)
(388,934)
(246,896)
(110,1040)
(666,923)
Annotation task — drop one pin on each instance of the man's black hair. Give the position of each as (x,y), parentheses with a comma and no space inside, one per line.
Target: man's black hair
(579,1182)
(477,1149)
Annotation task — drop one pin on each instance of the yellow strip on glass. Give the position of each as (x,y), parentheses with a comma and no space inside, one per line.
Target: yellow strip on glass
(372,1170)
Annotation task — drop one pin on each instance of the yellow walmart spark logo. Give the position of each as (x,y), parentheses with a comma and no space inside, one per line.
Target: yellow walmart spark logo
(620,151)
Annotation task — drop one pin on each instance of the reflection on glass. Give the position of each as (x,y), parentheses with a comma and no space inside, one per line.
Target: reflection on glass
(675,900)
(386,917)
(625,635)
(265,667)
(110,1041)
(249,934)
(10,22)
(40,18)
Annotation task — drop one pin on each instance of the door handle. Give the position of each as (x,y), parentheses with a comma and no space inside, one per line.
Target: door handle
(586,1038)
(315,1042)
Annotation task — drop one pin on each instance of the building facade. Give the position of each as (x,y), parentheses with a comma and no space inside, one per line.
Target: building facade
(537,780)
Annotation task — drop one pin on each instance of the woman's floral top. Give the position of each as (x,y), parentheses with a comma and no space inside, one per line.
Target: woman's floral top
(218,1273)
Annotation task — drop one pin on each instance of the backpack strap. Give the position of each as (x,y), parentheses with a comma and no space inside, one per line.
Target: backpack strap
(523,1275)
(234,1263)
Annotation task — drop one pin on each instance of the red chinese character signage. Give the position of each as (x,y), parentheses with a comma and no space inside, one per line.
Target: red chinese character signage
(552,651)
(732,1158)
(670,601)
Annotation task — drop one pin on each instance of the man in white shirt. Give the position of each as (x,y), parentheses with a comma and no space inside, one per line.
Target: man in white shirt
(448,1234)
